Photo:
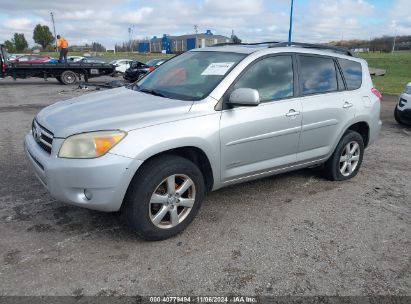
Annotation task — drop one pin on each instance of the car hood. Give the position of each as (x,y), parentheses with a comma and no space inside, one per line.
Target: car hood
(114,109)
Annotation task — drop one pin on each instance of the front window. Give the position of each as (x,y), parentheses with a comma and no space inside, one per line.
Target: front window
(190,76)
(272,77)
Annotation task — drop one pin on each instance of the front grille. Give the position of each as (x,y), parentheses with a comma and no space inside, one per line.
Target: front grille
(42,136)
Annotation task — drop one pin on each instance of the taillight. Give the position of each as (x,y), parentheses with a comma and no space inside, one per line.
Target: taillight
(152,67)
(3,67)
(376,93)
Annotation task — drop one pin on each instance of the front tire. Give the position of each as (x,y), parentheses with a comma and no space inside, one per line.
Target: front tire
(346,160)
(164,197)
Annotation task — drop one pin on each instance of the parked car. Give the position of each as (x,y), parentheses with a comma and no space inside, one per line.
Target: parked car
(30,58)
(206,119)
(121,65)
(74,58)
(13,56)
(136,71)
(91,60)
(402,112)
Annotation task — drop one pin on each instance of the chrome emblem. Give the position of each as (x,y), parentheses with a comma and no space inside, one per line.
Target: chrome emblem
(36,132)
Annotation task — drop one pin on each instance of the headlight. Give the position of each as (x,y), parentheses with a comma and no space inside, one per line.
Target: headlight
(90,145)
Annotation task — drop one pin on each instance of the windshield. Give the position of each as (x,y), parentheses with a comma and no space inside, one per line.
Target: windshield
(190,76)
(408,89)
(153,61)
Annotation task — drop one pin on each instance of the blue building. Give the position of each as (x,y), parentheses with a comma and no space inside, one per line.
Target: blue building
(179,44)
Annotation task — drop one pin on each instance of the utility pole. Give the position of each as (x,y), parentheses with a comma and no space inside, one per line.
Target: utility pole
(195,28)
(393,45)
(54,28)
(291,23)
(129,38)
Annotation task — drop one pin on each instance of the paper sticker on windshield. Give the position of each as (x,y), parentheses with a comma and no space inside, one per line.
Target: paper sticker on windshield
(218,68)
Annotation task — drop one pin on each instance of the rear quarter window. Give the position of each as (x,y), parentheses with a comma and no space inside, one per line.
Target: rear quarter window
(352,71)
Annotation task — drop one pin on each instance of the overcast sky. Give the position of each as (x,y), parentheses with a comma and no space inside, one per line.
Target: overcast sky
(107,21)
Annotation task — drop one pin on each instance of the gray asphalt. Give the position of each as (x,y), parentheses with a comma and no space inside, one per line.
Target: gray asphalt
(291,234)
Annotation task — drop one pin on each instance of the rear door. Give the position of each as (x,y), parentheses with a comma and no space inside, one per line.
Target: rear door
(255,140)
(326,106)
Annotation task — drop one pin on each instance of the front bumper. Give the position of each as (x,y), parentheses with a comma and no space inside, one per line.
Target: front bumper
(104,179)
(404,115)
(403,109)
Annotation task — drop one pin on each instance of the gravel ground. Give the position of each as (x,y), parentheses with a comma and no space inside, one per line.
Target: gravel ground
(291,234)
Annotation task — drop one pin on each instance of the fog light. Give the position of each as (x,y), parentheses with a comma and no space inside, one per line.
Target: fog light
(88,194)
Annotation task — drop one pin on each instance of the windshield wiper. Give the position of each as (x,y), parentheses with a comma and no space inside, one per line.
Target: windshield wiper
(152,92)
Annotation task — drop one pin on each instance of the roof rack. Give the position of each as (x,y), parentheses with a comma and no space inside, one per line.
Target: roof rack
(272,44)
(335,49)
(245,44)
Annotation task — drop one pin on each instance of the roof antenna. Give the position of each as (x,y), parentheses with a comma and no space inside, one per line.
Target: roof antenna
(291,23)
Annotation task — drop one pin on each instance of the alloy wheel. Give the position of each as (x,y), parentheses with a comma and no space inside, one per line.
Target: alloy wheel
(349,158)
(172,201)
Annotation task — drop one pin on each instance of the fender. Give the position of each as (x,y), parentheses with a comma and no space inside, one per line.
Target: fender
(145,143)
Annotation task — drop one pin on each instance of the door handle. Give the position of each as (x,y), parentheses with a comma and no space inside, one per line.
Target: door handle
(347,105)
(292,113)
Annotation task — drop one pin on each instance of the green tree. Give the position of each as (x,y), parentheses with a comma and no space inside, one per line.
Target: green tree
(42,35)
(9,46)
(20,42)
(97,47)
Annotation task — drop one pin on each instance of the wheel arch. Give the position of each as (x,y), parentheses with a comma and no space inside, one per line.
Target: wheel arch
(360,126)
(363,129)
(195,155)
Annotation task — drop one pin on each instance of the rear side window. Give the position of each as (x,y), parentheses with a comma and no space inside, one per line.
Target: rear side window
(352,73)
(317,75)
(272,77)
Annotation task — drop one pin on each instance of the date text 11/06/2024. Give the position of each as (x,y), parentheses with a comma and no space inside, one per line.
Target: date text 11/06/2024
(205,299)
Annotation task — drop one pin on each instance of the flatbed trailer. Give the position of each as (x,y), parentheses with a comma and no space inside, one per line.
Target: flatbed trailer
(65,73)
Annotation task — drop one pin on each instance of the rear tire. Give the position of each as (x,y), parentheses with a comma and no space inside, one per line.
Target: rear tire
(346,160)
(164,197)
(68,77)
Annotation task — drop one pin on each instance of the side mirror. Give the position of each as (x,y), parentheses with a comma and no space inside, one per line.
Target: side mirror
(244,97)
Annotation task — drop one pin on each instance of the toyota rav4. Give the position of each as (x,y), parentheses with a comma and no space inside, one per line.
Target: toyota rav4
(206,119)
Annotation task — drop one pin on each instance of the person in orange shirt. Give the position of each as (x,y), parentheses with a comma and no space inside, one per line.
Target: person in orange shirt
(62,44)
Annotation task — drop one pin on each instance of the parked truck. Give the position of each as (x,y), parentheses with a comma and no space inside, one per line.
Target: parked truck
(65,73)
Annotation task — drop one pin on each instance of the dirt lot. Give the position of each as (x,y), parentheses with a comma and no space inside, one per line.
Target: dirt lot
(292,234)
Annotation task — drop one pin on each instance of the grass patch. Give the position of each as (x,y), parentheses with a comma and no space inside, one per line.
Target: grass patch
(398,67)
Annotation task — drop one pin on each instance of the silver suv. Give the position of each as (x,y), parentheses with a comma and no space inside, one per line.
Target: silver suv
(204,120)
